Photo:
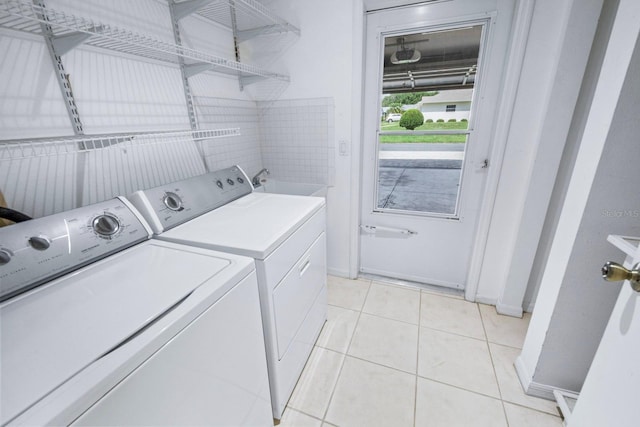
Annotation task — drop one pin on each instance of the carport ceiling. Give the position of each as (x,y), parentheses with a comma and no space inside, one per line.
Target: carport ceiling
(448,60)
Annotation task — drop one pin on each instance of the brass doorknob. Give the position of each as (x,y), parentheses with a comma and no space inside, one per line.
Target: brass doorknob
(614,272)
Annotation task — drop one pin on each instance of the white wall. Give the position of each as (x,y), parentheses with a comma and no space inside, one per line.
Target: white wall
(602,198)
(321,65)
(556,54)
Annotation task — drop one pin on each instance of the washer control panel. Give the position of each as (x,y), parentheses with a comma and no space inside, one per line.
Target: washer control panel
(38,250)
(170,205)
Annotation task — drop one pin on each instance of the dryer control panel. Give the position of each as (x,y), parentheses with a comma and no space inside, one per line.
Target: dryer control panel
(36,251)
(172,204)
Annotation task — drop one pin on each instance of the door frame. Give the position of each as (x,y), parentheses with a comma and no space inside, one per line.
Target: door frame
(520,25)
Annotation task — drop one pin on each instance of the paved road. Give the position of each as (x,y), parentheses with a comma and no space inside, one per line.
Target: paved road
(420,177)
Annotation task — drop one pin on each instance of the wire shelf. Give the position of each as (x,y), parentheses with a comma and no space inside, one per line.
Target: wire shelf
(23,15)
(252,18)
(23,149)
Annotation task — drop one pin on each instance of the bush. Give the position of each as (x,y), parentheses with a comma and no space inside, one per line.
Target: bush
(411,119)
(440,120)
(464,120)
(451,120)
(429,121)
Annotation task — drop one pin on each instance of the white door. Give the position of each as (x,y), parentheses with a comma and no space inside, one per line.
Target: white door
(609,396)
(423,187)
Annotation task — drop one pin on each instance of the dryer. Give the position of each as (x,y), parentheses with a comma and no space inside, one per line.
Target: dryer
(286,237)
(102,326)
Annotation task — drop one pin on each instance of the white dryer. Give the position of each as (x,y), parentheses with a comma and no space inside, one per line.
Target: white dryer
(286,236)
(102,326)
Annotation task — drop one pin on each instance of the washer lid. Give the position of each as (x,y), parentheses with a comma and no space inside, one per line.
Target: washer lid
(53,332)
(253,225)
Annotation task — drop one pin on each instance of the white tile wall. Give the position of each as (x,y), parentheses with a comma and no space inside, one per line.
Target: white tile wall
(298,143)
(243,150)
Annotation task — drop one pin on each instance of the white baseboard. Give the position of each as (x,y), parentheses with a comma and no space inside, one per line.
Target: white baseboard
(485,300)
(339,273)
(533,388)
(509,310)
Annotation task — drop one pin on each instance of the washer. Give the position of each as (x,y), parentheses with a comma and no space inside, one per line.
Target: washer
(286,237)
(102,326)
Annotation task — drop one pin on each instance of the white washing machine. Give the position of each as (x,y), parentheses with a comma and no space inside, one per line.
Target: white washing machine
(102,326)
(286,236)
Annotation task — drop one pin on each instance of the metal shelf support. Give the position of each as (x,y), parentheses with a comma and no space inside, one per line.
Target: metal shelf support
(186,8)
(61,75)
(68,42)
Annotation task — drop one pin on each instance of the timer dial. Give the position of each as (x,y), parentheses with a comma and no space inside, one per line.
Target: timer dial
(172,201)
(105,225)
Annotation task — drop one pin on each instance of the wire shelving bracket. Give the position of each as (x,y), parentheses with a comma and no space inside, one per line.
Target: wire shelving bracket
(23,15)
(253,18)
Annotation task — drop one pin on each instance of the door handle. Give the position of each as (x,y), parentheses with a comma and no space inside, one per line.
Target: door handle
(614,272)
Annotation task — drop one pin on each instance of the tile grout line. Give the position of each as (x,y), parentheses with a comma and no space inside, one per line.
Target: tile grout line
(493,365)
(344,359)
(415,395)
(290,408)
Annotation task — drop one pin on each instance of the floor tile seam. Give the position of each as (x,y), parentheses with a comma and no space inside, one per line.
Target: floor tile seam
(344,359)
(305,413)
(493,362)
(533,409)
(391,318)
(362,359)
(420,377)
(344,308)
(415,399)
(503,345)
(458,387)
(482,316)
(333,389)
(524,405)
(453,333)
(364,301)
(504,411)
(327,348)
(303,370)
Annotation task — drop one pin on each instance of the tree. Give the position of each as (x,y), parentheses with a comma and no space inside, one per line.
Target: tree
(411,119)
(409,98)
(394,108)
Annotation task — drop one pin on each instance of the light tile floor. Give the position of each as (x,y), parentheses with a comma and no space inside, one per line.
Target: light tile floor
(391,355)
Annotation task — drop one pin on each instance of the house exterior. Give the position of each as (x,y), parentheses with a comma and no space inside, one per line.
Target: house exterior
(447,105)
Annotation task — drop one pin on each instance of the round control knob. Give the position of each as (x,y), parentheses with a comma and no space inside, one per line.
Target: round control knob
(172,201)
(40,243)
(230,181)
(5,256)
(219,183)
(106,225)
(240,180)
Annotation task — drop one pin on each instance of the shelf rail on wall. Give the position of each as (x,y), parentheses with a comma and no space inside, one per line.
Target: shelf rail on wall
(69,31)
(27,148)
(50,175)
(252,19)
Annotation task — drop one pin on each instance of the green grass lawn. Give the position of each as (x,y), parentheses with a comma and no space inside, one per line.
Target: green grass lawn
(423,138)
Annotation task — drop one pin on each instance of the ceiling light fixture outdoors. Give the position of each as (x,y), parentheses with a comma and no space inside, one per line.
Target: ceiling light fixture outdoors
(405,55)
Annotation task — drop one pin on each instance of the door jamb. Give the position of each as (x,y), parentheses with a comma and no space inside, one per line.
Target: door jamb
(520,25)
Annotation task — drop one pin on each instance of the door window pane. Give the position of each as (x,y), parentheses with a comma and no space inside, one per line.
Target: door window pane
(427,88)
